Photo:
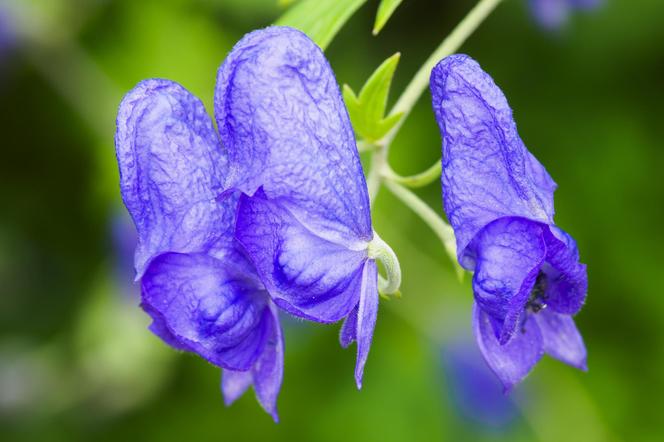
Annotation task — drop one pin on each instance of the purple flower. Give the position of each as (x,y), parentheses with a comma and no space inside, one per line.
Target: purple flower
(203,295)
(552,14)
(499,199)
(303,218)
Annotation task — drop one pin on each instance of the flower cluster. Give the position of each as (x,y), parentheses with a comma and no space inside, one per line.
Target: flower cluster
(527,277)
(270,211)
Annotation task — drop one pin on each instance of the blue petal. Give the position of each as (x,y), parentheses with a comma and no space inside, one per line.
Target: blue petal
(234,384)
(567,279)
(348,332)
(367,312)
(305,274)
(282,118)
(215,309)
(509,253)
(487,171)
(513,361)
(172,168)
(561,338)
(266,374)
(269,369)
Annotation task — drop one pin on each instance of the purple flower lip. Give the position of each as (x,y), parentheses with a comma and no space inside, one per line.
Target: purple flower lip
(528,281)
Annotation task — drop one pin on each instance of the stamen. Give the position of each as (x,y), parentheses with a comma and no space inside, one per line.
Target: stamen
(538,294)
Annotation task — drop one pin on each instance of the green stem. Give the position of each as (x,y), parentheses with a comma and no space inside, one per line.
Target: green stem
(450,45)
(366,146)
(419,83)
(419,180)
(380,251)
(442,230)
(378,164)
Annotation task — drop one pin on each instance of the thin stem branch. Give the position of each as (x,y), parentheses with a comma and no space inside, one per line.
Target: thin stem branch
(380,251)
(418,180)
(419,83)
(442,230)
(450,45)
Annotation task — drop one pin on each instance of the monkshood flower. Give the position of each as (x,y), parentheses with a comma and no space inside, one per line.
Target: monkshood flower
(527,278)
(552,14)
(304,216)
(203,295)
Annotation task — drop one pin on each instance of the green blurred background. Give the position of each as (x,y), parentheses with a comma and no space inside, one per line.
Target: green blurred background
(76,362)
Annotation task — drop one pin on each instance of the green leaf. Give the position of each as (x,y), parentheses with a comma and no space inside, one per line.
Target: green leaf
(385,10)
(368,109)
(320,19)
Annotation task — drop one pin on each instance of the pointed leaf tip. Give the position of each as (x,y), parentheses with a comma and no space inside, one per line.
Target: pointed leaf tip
(385,11)
(321,20)
(367,109)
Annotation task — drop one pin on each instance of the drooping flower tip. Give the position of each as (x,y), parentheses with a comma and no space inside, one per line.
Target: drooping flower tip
(527,280)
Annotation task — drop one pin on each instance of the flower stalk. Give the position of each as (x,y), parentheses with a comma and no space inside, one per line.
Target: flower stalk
(418,180)
(381,251)
(419,83)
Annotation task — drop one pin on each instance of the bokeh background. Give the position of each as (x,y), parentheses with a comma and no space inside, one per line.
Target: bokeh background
(76,362)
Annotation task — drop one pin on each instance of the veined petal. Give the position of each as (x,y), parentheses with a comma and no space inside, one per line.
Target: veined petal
(561,338)
(487,171)
(513,361)
(367,312)
(348,332)
(213,308)
(566,277)
(266,374)
(269,369)
(508,253)
(172,168)
(306,275)
(282,118)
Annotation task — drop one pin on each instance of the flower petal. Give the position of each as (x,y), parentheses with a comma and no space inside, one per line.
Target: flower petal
(234,384)
(567,279)
(306,275)
(282,118)
(366,317)
(172,168)
(561,338)
(348,332)
(509,253)
(269,369)
(215,309)
(513,361)
(266,374)
(487,171)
